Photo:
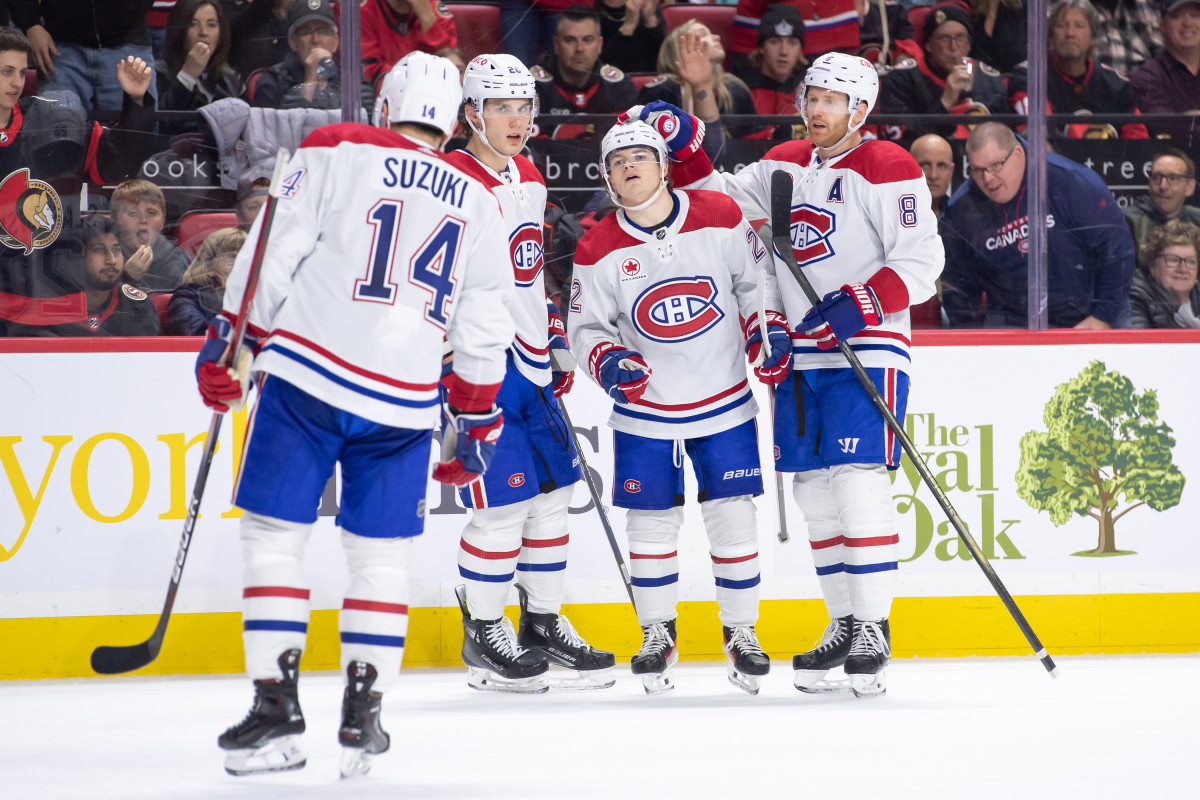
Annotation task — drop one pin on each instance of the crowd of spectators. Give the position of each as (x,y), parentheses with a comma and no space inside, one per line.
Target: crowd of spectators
(953,59)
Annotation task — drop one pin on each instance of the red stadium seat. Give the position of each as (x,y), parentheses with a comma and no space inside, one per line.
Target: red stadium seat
(478,27)
(718,19)
(640,79)
(160,300)
(195,226)
(30,83)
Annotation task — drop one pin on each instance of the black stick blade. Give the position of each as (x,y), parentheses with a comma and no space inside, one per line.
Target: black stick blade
(781,203)
(108,660)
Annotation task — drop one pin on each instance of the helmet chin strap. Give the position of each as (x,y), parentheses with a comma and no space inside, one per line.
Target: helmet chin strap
(481,132)
(850,129)
(616,198)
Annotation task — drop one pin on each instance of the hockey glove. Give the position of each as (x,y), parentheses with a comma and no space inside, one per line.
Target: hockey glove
(224,388)
(471,438)
(623,374)
(773,362)
(682,132)
(841,314)
(561,360)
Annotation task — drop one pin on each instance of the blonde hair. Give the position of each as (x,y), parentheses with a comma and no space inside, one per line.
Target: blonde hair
(668,55)
(136,191)
(202,270)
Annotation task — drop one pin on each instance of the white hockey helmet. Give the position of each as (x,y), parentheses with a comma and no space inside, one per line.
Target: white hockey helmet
(632,134)
(420,88)
(852,76)
(497,75)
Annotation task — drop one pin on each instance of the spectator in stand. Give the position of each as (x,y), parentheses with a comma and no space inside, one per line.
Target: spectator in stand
(1172,181)
(391,29)
(900,35)
(575,82)
(691,77)
(1129,34)
(252,195)
(935,158)
(139,210)
(528,27)
(1164,292)
(947,81)
(1075,84)
(260,33)
(309,75)
(1170,83)
(999,33)
(77,45)
(830,25)
(1090,251)
(196,53)
(198,298)
(633,33)
(779,67)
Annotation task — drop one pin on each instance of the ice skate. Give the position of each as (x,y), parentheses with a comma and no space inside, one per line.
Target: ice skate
(870,652)
(830,653)
(554,638)
(495,662)
(268,739)
(658,654)
(747,661)
(361,736)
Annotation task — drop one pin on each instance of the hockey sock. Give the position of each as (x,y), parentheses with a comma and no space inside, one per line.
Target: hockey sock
(733,547)
(542,565)
(275,601)
(654,561)
(814,496)
(487,556)
(373,622)
(864,498)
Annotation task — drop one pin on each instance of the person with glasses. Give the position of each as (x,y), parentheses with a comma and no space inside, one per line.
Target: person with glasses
(944,81)
(986,231)
(1165,293)
(1171,182)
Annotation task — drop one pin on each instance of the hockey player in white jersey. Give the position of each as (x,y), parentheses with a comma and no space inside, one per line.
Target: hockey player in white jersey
(862,231)
(660,289)
(518,524)
(362,278)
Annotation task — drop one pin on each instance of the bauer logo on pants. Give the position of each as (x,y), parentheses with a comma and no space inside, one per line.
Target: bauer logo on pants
(678,309)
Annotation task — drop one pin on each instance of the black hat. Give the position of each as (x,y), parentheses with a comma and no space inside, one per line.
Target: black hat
(1167,6)
(939,15)
(781,20)
(303,11)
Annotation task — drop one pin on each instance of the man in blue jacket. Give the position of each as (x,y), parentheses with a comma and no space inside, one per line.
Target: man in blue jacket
(1091,254)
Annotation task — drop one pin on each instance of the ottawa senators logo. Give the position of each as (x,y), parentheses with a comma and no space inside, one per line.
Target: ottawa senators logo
(30,212)
(678,309)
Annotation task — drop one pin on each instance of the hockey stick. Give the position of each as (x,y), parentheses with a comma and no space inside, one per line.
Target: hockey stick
(559,364)
(114,659)
(781,204)
(760,296)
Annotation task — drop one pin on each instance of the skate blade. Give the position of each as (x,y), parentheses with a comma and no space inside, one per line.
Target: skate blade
(355,762)
(658,682)
(276,755)
(580,680)
(488,681)
(747,683)
(813,682)
(869,685)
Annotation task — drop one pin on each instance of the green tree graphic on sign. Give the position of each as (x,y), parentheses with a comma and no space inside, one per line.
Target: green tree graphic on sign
(1103,445)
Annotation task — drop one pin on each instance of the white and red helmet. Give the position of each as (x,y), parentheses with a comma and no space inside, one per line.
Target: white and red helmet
(496,76)
(838,72)
(632,134)
(420,88)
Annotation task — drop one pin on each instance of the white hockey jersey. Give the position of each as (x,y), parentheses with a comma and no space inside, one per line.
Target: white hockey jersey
(676,295)
(522,195)
(864,216)
(379,248)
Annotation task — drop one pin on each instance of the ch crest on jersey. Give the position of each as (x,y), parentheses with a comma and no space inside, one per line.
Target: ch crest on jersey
(527,253)
(678,309)
(811,230)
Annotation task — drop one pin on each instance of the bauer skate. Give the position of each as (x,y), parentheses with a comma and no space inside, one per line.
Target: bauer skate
(658,654)
(747,661)
(830,653)
(495,662)
(870,653)
(554,638)
(361,736)
(268,739)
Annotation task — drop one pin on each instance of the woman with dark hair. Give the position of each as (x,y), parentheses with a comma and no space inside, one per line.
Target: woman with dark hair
(1165,293)
(198,298)
(196,54)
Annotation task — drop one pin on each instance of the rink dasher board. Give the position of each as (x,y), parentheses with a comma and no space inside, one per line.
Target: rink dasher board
(102,440)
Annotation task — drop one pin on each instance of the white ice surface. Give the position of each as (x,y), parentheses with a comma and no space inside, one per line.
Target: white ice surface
(1108,727)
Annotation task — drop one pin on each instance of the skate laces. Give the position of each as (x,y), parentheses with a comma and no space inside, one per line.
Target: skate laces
(657,640)
(568,633)
(503,639)
(832,637)
(742,639)
(871,641)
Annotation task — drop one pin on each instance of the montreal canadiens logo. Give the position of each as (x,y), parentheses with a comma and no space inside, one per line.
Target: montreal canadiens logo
(31,215)
(631,266)
(678,309)
(632,486)
(525,249)
(811,229)
(666,125)
(517,479)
